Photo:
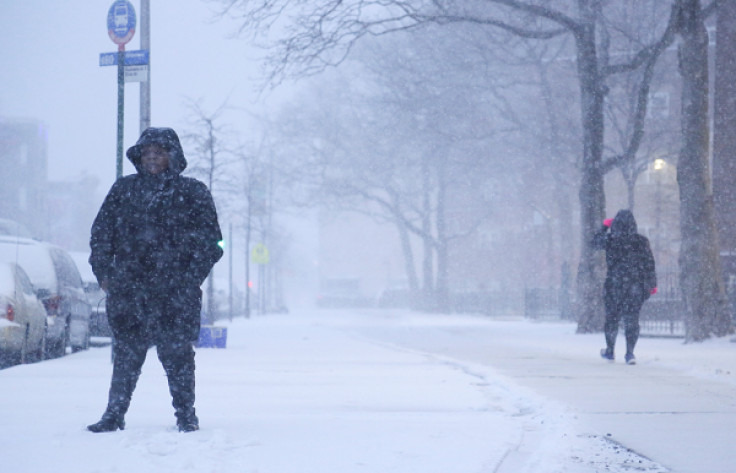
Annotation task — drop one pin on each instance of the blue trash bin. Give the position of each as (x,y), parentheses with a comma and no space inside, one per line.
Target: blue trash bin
(212,337)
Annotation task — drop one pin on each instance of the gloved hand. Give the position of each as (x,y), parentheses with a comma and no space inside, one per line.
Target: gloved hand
(607,222)
(653,291)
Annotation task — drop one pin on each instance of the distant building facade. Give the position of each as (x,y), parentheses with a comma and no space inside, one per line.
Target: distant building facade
(72,206)
(23,165)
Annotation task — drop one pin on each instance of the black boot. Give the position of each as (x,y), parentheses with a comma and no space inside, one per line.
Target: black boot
(188,423)
(109,423)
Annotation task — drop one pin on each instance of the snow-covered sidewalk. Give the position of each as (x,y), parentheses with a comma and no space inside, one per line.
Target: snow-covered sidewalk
(331,391)
(676,406)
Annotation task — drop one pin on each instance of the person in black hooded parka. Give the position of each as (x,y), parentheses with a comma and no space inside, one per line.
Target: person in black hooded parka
(631,279)
(153,243)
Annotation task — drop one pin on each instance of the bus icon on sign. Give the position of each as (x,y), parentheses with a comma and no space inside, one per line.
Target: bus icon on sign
(121,16)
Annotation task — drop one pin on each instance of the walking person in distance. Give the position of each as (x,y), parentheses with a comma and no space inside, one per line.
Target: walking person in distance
(630,280)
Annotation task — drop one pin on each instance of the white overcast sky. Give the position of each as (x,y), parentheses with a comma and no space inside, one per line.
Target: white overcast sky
(49,70)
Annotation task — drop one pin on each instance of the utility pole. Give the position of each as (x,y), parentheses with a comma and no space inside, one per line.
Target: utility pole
(145,87)
(121,111)
(230,269)
(247,248)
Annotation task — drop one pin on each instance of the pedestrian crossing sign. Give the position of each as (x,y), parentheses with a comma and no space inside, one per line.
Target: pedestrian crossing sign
(259,255)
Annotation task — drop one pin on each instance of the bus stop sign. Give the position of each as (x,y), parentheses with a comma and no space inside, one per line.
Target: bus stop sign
(121,22)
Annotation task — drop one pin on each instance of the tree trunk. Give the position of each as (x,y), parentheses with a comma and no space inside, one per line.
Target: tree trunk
(700,272)
(248,225)
(565,223)
(411,272)
(428,259)
(589,307)
(630,180)
(443,257)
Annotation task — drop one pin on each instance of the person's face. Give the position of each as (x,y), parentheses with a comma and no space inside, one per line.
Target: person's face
(154,159)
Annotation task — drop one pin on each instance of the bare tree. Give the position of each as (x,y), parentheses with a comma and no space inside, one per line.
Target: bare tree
(206,135)
(700,272)
(318,35)
(386,146)
(258,179)
(322,34)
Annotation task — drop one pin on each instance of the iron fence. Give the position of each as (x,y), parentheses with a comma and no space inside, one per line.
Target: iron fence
(663,315)
(492,303)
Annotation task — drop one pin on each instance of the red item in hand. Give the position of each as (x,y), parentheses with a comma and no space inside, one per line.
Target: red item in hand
(653,291)
(607,222)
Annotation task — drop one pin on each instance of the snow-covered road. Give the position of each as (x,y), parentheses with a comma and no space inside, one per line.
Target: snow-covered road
(380,391)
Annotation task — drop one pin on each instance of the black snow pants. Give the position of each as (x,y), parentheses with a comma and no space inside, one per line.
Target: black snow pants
(622,303)
(175,354)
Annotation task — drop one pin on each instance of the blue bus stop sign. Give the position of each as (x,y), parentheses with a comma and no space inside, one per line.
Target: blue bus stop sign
(121,22)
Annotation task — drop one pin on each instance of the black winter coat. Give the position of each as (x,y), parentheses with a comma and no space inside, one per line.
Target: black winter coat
(631,270)
(154,241)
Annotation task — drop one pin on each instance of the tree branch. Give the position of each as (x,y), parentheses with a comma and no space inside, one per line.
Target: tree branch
(521,32)
(542,12)
(653,50)
(712,7)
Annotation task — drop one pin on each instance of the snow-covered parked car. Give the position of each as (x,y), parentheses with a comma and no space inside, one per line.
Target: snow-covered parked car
(98,326)
(22,317)
(57,283)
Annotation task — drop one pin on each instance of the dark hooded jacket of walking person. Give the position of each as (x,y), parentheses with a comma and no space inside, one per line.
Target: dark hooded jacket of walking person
(154,241)
(630,279)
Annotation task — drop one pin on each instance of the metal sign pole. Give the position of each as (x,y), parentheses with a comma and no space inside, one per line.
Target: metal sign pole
(120,28)
(121,109)
(145,86)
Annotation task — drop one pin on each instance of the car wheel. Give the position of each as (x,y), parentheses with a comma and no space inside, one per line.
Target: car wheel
(24,346)
(84,345)
(50,346)
(42,354)
(67,335)
(59,346)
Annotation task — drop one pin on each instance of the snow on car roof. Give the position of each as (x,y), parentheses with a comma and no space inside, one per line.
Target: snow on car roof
(81,259)
(33,256)
(9,227)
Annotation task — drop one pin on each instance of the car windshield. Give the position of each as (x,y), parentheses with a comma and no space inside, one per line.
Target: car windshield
(25,283)
(66,269)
